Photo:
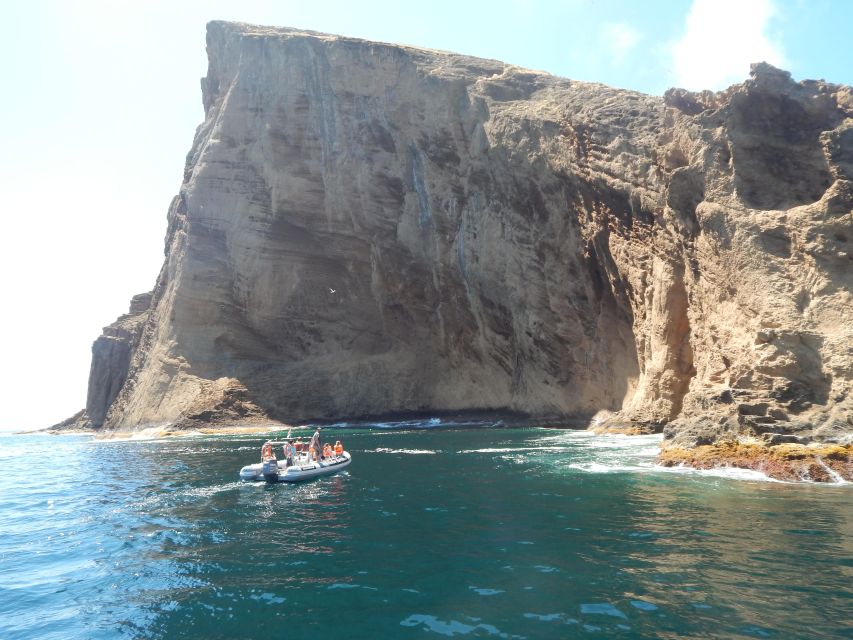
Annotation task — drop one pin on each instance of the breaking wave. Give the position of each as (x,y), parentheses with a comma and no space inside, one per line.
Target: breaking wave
(586,452)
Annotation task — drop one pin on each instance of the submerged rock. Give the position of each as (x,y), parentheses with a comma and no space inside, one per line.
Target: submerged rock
(368,229)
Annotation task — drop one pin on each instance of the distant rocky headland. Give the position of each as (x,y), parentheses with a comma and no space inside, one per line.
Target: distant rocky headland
(368,229)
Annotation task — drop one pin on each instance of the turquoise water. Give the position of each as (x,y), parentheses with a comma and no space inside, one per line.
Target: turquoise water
(503,533)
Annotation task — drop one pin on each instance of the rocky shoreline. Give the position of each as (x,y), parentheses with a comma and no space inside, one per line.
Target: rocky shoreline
(789,462)
(823,462)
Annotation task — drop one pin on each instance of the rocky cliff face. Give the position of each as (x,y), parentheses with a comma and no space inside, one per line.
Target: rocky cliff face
(366,229)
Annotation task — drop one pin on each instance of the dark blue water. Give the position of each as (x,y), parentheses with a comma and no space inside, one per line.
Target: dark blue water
(429,533)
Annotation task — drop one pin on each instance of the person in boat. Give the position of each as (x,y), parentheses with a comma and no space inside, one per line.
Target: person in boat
(267,451)
(339,448)
(315,444)
(288,453)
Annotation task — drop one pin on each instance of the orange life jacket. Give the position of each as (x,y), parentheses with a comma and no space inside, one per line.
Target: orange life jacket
(339,448)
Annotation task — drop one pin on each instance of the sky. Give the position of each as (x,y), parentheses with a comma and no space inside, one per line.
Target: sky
(101,98)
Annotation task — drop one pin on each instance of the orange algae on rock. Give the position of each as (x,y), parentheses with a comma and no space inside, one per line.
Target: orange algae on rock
(791,462)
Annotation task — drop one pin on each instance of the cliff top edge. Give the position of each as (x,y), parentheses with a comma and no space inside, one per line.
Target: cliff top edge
(760,72)
(256,30)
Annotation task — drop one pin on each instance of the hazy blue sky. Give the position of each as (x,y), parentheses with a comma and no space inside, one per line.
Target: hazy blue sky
(101,98)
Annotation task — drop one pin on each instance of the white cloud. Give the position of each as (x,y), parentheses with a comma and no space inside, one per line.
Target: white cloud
(722,38)
(619,39)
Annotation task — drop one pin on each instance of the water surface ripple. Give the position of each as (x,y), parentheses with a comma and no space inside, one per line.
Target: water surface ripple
(504,533)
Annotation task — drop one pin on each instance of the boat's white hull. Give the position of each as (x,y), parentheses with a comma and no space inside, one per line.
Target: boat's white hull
(302,470)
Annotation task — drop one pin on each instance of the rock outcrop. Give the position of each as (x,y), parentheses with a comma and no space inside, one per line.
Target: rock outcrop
(367,229)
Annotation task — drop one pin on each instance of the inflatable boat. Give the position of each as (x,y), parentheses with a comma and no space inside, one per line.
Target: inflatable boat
(302,467)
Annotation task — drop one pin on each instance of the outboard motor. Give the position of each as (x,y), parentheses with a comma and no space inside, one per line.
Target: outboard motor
(269,464)
(270,470)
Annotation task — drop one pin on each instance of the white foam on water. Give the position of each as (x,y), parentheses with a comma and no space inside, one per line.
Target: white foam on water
(408,424)
(612,441)
(334,425)
(731,473)
(614,453)
(589,440)
(598,467)
(206,492)
(565,436)
(622,442)
(409,452)
(514,449)
(649,451)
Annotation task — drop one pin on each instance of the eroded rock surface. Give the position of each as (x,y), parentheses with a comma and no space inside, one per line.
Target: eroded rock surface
(367,229)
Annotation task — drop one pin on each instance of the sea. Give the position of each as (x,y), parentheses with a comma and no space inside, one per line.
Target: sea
(474,531)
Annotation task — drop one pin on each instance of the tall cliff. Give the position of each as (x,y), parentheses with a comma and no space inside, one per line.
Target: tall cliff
(367,228)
